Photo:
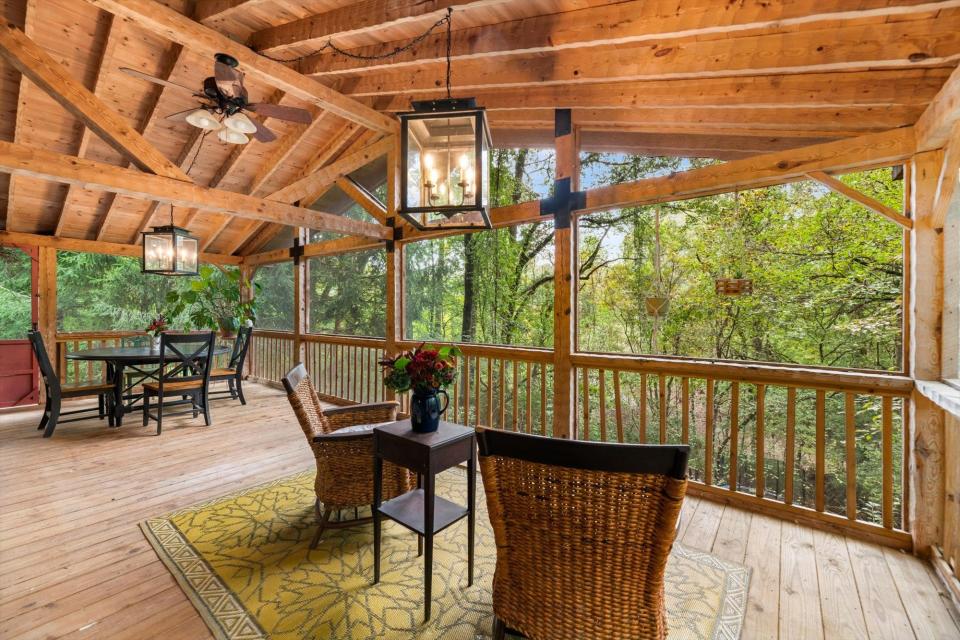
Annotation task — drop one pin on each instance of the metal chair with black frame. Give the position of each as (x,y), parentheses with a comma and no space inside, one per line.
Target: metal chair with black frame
(233,373)
(56,392)
(184,372)
(570,519)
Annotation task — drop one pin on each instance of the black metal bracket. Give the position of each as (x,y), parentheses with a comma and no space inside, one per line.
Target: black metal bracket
(296,251)
(562,203)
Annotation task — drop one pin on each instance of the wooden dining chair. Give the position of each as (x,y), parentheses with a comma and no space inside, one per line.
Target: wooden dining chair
(233,373)
(185,362)
(583,531)
(56,392)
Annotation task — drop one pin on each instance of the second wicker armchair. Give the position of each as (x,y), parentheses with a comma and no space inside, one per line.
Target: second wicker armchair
(342,443)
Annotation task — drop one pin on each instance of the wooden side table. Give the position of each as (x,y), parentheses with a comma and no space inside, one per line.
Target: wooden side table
(421,510)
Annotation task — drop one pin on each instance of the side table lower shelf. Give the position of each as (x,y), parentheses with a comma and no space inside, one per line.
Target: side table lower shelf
(408,510)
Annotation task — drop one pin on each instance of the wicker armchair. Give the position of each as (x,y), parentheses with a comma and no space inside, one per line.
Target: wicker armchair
(342,443)
(583,531)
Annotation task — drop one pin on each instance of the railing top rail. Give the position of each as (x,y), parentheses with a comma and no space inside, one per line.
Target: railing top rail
(756,373)
(88,335)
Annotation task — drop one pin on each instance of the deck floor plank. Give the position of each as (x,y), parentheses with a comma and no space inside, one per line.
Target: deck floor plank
(73,563)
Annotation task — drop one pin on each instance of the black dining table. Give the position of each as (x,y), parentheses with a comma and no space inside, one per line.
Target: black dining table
(118,361)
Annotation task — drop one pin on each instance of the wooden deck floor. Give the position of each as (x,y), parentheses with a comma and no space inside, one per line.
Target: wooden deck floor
(73,563)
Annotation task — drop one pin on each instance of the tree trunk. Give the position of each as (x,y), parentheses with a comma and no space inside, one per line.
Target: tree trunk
(469,268)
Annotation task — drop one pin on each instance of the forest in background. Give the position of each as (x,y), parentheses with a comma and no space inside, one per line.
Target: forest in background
(827,290)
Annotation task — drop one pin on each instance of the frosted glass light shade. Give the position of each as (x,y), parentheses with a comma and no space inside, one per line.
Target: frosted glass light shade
(203,119)
(239,122)
(233,137)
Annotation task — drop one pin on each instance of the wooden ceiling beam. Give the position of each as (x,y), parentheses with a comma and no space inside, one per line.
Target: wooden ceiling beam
(934,126)
(32,61)
(841,121)
(46,165)
(94,246)
(845,190)
(364,198)
(29,18)
(210,10)
(622,23)
(948,178)
(882,88)
(165,22)
(356,18)
(171,59)
(333,149)
(280,150)
(875,149)
(325,177)
(106,61)
(845,47)
(335,247)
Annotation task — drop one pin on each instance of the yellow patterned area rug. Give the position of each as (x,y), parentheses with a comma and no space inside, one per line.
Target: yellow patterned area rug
(245,563)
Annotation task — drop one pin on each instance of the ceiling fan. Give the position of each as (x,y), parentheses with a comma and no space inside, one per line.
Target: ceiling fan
(223,103)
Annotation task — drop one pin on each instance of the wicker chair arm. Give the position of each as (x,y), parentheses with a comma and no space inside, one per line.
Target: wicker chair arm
(342,437)
(340,417)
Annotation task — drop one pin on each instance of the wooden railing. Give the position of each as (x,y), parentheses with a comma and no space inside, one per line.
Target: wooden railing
(816,446)
(787,441)
(72,371)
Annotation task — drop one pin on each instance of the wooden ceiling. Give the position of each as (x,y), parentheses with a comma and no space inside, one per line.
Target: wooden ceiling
(716,78)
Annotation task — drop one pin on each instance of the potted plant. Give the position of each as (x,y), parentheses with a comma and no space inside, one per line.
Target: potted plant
(213,301)
(157,326)
(427,371)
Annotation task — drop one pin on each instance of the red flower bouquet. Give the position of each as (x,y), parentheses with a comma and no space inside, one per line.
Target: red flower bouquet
(158,326)
(424,369)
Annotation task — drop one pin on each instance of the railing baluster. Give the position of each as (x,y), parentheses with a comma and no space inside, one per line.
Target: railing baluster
(821,448)
(529,415)
(477,390)
(489,391)
(586,404)
(466,390)
(618,405)
(850,424)
(790,448)
(643,408)
(708,437)
(887,465)
(662,396)
(503,397)
(603,406)
(515,407)
(761,473)
(543,399)
(734,435)
(685,418)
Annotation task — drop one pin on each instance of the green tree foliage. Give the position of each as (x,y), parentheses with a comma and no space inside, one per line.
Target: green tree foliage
(14,294)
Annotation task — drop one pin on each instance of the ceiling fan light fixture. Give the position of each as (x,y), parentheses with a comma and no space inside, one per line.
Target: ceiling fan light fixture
(239,122)
(203,119)
(233,137)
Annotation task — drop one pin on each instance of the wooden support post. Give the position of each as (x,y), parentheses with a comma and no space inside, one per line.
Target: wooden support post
(564,280)
(247,273)
(301,296)
(395,293)
(47,302)
(925,436)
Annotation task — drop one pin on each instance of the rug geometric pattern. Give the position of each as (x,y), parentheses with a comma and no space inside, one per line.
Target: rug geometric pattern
(245,563)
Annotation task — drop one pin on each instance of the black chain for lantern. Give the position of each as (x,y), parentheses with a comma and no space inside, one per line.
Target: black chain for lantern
(328,45)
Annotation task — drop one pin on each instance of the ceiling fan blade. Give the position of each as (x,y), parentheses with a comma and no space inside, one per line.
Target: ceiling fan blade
(180,116)
(262,134)
(281,112)
(153,79)
(229,80)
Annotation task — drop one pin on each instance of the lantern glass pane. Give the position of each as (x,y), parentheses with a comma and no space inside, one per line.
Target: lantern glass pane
(158,252)
(441,161)
(187,254)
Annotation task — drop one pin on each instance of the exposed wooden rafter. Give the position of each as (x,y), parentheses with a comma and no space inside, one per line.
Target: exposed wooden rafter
(860,198)
(106,61)
(622,23)
(160,19)
(32,61)
(354,19)
(363,198)
(46,165)
(948,178)
(94,246)
(210,10)
(29,17)
(883,45)
(934,126)
(171,59)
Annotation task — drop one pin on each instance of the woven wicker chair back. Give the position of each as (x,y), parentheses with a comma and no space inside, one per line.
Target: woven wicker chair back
(583,532)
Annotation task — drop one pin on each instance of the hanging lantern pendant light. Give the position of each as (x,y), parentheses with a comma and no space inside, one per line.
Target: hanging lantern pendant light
(170,250)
